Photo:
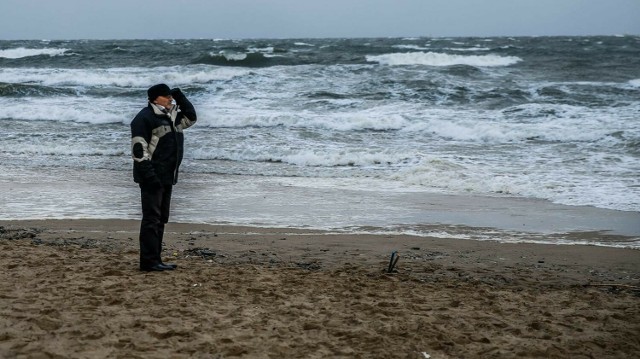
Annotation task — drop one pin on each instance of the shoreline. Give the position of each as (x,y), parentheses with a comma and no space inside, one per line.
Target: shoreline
(281,203)
(236,240)
(72,288)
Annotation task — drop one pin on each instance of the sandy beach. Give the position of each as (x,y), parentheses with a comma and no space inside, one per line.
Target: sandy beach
(72,289)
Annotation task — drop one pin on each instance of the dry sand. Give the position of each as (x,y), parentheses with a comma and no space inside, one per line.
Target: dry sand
(72,289)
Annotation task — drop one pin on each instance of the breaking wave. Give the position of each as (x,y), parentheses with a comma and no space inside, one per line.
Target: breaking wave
(441,59)
(252,59)
(22,52)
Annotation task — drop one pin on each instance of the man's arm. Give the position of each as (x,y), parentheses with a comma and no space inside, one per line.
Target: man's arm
(187,110)
(142,168)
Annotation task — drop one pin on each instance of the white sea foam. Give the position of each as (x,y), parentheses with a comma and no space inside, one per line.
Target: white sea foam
(230,55)
(22,52)
(239,115)
(550,181)
(441,59)
(635,82)
(268,49)
(121,77)
(543,122)
(52,147)
(471,49)
(95,111)
(410,47)
(311,157)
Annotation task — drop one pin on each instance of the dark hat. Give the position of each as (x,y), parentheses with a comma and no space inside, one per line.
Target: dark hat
(158,90)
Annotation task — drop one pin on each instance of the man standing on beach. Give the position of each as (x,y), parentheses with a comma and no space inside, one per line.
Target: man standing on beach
(157,147)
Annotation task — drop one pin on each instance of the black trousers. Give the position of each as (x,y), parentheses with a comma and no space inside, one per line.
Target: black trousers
(156,202)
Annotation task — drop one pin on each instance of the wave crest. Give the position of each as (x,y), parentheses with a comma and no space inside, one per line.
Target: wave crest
(22,52)
(441,59)
(251,59)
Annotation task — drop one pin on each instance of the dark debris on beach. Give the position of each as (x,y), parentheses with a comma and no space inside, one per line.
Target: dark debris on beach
(18,233)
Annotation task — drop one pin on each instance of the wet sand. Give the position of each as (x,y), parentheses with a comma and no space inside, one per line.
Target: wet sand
(72,289)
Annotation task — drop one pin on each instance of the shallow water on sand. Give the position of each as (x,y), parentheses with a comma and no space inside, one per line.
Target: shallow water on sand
(332,205)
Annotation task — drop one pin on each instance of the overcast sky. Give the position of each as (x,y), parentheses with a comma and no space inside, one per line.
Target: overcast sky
(153,19)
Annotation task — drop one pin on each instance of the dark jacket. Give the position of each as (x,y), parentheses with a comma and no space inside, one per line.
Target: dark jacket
(157,141)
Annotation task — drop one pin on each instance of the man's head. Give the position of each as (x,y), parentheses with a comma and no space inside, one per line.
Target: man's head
(160,93)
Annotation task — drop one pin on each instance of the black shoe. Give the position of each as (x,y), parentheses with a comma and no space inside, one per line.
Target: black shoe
(167,266)
(154,268)
(173,266)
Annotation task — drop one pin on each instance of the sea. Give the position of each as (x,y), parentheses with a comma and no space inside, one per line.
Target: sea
(490,138)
